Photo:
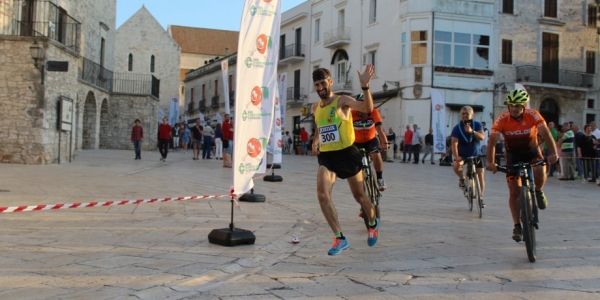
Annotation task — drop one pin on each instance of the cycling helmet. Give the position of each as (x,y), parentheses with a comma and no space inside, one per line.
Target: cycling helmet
(517,97)
(359,97)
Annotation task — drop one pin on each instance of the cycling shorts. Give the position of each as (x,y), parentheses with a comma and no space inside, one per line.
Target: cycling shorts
(512,158)
(371,146)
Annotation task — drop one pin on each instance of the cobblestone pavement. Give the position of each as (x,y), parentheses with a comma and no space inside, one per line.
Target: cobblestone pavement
(430,245)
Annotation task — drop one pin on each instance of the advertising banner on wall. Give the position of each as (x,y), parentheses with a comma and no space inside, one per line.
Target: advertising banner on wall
(276,140)
(256,91)
(224,71)
(438,121)
(174,111)
(282,96)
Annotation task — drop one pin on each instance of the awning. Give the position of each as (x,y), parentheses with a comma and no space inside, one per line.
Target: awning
(339,52)
(455,106)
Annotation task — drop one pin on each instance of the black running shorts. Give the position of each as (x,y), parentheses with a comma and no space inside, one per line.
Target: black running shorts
(344,163)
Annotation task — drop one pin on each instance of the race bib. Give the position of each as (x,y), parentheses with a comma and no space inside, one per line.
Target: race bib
(329,134)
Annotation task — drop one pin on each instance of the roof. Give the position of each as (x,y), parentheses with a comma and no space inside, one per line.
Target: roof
(203,40)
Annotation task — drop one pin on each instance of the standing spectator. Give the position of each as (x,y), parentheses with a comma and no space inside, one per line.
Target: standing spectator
(568,153)
(219,142)
(428,146)
(484,142)
(176,134)
(554,133)
(408,136)
(416,143)
(596,134)
(185,137)
(391,138)
(227,141)
(209,134)
(586,148)
(164,136)
(287,142)
(197,139)
(137,136)
(304,141)
(578,135)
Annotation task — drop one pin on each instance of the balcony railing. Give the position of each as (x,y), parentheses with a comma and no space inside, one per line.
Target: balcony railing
(337,37)
(560,77)
(190,108)
(202,105)
(214,101)
(231,97)
(136,84)
(39,18)
(295,93)
(343,87)
(291,50)
(95,74)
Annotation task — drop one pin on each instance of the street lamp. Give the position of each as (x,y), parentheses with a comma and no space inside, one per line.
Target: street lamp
(36,53)
(394,83)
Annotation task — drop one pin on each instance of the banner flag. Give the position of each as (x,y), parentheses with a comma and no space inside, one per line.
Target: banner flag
(275,139)
(224,70)
(174,111)
(256,89)
(282,96)
(438,121)
(519,86)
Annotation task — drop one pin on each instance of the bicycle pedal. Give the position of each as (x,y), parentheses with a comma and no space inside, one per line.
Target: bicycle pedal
(536,225)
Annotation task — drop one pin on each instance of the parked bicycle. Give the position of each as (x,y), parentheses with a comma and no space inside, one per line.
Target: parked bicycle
(529,209)
(472,188)
(370,184)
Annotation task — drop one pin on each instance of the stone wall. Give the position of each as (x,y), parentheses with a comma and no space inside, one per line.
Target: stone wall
(123,110)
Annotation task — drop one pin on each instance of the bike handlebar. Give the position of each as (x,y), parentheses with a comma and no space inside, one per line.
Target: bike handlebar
(506,168)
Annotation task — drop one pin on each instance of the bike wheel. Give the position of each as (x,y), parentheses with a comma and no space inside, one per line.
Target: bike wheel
(470,187)
(478,196)
(370,191)
(527,223)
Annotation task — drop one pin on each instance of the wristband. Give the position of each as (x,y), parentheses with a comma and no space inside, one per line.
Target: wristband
(365,88)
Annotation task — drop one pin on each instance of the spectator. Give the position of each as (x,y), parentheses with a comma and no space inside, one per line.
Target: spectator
(164,136)
(137,136)
(304,141)
(408,136)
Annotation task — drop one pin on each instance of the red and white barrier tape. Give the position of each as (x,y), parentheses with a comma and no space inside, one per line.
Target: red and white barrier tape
(106,203)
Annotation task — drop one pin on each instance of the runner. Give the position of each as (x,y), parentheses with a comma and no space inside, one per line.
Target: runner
(337,155)
(520,126)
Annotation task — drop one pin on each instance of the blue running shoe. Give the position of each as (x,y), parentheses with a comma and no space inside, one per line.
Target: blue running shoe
(373,234)
(338,246)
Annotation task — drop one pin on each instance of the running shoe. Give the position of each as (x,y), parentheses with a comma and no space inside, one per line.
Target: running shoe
(373,234)
(381,184)
(461,183)
(542,202)
(482,203)
(338,246)
(517,234)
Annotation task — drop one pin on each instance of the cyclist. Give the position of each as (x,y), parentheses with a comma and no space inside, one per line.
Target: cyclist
(337,155)
(520,127)
(465,142)
(366,128)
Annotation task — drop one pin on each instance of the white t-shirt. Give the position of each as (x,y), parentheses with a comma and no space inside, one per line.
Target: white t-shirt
(596,133)
(486,134)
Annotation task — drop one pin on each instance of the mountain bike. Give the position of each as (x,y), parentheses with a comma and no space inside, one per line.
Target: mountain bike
(529,209)
(370,184)
(472,188)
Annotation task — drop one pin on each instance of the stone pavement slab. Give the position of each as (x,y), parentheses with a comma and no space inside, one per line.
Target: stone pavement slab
(430,245)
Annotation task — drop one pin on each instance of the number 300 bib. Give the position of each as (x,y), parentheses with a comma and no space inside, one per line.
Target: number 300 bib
(329,134)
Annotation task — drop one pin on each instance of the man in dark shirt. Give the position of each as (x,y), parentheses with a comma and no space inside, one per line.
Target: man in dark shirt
(197,136)
(391,138)
(164,136)
(429,146)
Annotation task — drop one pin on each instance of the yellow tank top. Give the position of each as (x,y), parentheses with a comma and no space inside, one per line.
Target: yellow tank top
(335,133)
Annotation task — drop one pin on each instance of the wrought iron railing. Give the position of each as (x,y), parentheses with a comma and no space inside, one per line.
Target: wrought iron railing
(562,77)
(95,74)
(291,50)
(338,34)
(39,18)
(202,105)
(231,97)
(214,101)
(136,84)
(295,93)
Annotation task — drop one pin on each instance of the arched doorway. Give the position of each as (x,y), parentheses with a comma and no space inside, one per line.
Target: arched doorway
(550,110)
(90,132)
(104,125)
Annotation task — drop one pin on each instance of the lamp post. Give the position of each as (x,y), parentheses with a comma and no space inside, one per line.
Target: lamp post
(37,53)
(394,83)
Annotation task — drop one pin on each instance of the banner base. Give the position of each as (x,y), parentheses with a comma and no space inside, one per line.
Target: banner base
(273,178)
(228,237)
(252,198)
(275,166)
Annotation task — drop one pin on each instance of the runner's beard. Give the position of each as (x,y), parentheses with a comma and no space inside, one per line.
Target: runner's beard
(324,93)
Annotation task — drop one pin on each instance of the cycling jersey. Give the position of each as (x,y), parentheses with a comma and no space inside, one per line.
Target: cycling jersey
(519,136)
(365,130)
(335,132)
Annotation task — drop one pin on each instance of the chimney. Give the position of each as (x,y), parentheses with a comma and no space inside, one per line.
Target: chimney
(226,51)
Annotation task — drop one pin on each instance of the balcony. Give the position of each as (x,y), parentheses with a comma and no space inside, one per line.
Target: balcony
(291,54)
(562,77)
(95,74)
(296,93)
(135,84)
(343,87)
(214,101)
(40,18)
(337,37)
(202,105)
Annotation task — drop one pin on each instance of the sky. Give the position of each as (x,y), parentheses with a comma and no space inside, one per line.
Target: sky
(213,14)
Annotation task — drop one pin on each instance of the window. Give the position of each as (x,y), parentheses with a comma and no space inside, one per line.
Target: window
(550,8)
(589,118)
(371,57)
(192,95)
(216,87)
(508,6)
(317,30)
(203,91)
(403,49)
(373,12)
(341,71)
(130,63)
(418,45)
(102,51)
(230,83)
(590,62)
(461,49)
(592,15)
(590,103)
(507,52)
(152,64)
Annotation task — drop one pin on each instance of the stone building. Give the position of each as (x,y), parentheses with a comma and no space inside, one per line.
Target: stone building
(200,47)
(142,46)
(61,53)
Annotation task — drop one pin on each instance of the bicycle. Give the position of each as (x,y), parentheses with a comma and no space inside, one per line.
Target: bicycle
(472,188)
(370,185)
(529,209)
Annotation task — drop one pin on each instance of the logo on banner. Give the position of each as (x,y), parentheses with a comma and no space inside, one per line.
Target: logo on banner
(438,107)
(278,121)
(257,63)
(262,11)
(282,78)
(253,147)
(263,42)
(257,93)
(224,66)
(250,115)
